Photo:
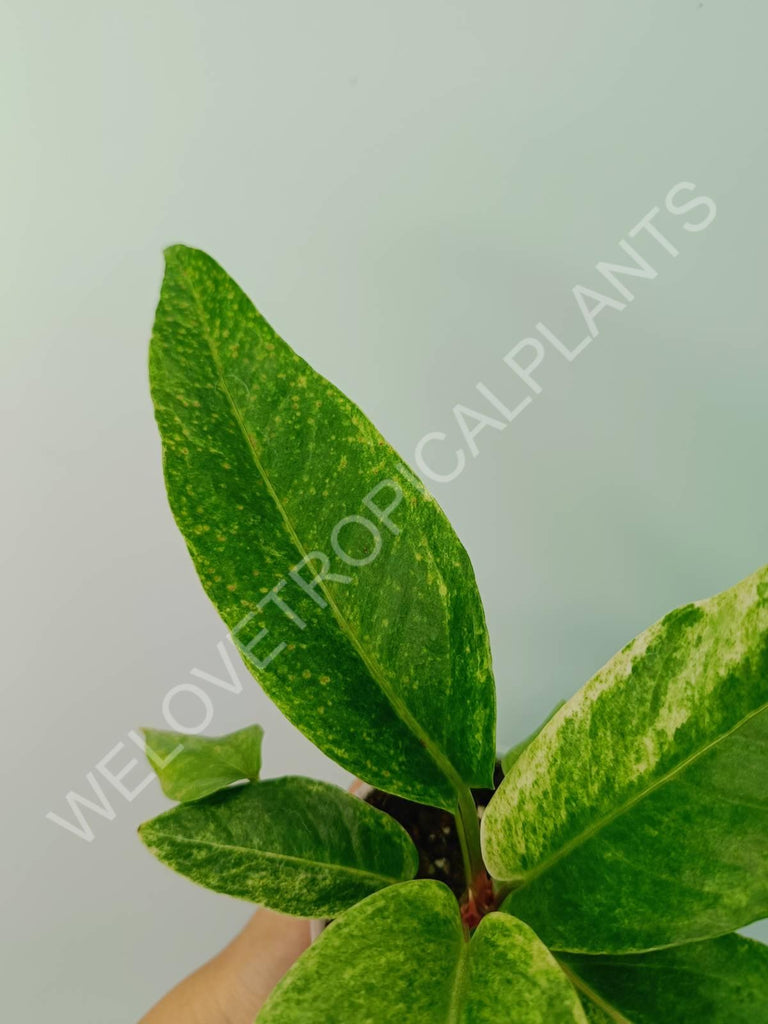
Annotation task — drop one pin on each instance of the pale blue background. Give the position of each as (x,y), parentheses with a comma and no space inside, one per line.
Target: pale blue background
(404,189)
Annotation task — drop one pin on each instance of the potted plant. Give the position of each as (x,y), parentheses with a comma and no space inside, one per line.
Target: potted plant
(627,840)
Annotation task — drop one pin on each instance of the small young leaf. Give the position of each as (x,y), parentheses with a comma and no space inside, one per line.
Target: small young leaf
(190,767)
(513,754)
(638,818)
(350,595)
(296,845)
(723,981)
(400,957)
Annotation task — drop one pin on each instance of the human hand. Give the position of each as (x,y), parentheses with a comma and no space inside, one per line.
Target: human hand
(232,988)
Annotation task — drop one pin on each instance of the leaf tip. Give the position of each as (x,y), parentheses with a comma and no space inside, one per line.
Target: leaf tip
(175,252)
(180,255)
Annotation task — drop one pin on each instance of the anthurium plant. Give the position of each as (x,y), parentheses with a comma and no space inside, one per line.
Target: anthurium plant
(627,841)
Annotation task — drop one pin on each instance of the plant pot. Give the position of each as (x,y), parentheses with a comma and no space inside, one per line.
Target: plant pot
(432,830)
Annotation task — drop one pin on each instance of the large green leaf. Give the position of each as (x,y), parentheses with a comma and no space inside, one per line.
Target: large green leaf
(638,818)
(190,767)
(294,844)
(383,663)
(723,981)
(401,957)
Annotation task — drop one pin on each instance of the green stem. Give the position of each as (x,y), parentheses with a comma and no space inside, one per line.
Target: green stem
(468,828)
(503,889)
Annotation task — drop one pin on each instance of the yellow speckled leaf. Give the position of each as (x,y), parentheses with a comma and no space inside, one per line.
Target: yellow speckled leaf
(297,845)
(401,957)
(347,590)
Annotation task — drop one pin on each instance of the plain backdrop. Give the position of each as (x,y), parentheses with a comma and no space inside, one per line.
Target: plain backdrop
(404,189)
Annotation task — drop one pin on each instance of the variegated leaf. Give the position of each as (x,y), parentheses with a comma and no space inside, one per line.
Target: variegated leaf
(638,817)
(402,957)
(722,981)
(296,845)
(342,581)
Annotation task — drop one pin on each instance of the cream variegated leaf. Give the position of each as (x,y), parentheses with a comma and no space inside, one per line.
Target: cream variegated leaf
(638,818)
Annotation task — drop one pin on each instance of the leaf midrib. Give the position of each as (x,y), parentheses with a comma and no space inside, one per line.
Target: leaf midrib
(461,977)
(580,985)
(271,855)
(608,819)
(238,768)
(376,673)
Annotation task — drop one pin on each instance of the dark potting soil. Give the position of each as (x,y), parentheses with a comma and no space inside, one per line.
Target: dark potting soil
(434,833)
